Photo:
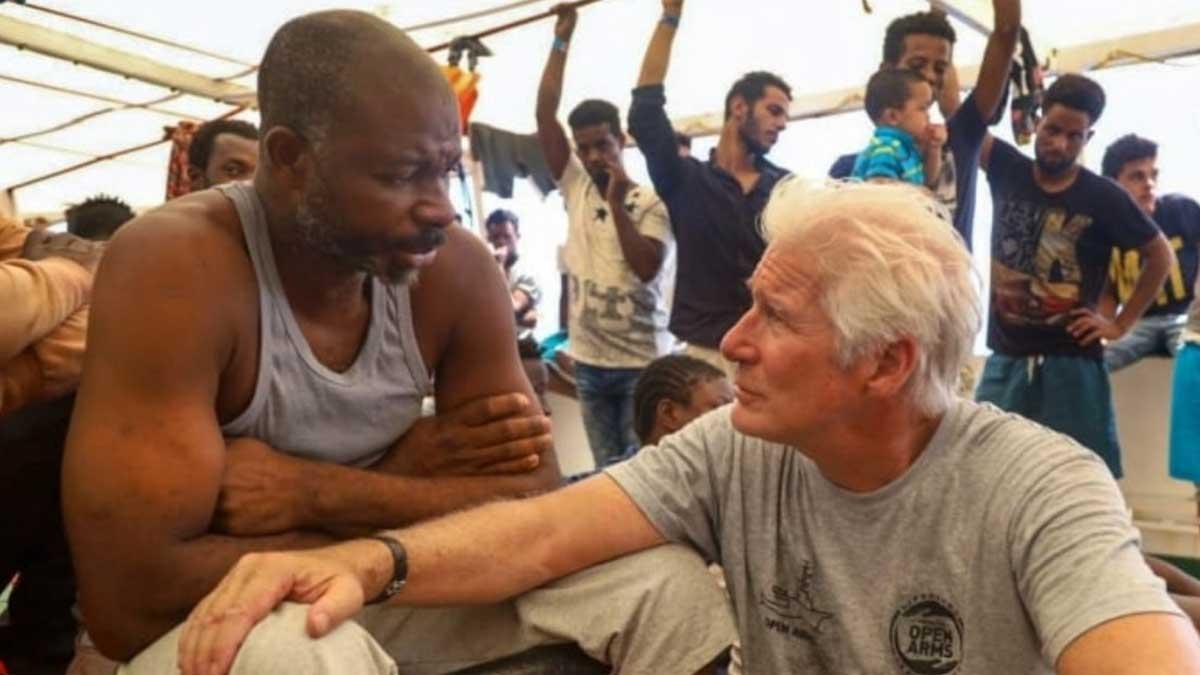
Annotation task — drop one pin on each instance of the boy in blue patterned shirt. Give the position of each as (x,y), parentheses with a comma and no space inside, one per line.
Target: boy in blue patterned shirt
(905,145)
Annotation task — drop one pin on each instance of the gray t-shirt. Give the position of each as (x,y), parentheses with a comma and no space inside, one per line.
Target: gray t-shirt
(1000,545)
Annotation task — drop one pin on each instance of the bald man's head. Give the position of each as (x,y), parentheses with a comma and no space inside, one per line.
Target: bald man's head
(319,66)
(360,135)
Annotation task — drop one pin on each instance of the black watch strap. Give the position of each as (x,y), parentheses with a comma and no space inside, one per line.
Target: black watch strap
(399,568)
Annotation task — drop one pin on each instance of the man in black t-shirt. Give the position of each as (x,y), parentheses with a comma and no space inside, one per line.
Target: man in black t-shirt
(924,42)
(1055,225)
(1132,161)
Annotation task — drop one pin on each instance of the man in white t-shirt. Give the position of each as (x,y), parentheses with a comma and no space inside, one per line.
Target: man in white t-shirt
(619,254)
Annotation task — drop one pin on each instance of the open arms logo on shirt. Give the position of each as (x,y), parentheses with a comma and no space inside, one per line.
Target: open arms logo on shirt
(927,636)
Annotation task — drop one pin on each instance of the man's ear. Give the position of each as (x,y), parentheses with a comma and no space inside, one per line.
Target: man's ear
(890,117)
(196,179)
(289,154)
(666,413)
(738,108)
(894,367)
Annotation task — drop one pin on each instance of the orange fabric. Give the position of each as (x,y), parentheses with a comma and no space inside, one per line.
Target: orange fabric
(177,166)
(466,87)
(43,323)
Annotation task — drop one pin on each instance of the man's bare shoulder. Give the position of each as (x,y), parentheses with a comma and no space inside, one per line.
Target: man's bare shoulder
(462,265)
(195,234)
(449,290)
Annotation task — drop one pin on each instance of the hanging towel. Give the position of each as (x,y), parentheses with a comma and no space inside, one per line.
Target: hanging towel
(177,166)
(505,156)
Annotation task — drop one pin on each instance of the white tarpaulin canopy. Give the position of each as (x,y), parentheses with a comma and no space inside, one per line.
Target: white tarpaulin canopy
(817,46)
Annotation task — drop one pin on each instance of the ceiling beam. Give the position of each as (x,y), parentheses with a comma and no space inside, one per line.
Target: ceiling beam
(25,35)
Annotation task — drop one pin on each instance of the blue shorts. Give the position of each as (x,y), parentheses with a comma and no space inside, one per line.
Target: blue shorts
(1185,414)
(1068,394)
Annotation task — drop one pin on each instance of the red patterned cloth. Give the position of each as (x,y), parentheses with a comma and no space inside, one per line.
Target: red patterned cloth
(177,166)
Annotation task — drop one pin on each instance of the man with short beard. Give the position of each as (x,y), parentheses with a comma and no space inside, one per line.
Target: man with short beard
(255,383)
(714,204)
(1055,226)
(618,256)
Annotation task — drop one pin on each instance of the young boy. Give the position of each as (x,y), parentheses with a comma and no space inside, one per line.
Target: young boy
(905,146)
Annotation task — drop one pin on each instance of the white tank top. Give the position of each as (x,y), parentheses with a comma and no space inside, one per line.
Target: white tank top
(305,409)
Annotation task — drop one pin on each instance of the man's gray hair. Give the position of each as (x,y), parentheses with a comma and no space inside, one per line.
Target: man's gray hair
(888,266)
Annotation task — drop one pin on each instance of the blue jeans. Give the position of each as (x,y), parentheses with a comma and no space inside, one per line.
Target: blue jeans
(606,398)
(1150,335)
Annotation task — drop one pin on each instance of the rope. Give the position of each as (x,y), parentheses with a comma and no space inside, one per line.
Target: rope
(106,157)
(510,25)
(122,105)
(465,17)
(491,31)
(133,33)
(95,97)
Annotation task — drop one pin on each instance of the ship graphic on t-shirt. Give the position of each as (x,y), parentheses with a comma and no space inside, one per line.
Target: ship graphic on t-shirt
(798,604)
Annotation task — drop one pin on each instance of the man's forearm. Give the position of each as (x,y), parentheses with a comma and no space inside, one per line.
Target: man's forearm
(1006,16)
(658,53)
(549,94)
(1158,257)
(154,592)
(997,56)
(640,252)
(357,500)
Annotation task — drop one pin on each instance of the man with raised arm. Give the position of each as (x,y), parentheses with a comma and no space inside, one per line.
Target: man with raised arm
(924,42)
(868,519)
(254,385)
(714,203)
(619,254)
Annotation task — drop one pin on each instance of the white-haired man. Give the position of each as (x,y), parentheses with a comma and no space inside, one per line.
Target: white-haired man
(867,519)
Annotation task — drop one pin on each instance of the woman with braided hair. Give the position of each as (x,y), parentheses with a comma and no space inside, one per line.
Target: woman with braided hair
(674,390)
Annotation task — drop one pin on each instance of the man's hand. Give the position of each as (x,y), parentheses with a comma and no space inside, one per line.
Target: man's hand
(40,244)
(618,185)
(493,435)
(324,578)
(674,7)
(564,28)
(262,491)
(1089,326)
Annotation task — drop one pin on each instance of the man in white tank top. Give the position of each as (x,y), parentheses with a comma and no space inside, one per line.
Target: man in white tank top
(258,353)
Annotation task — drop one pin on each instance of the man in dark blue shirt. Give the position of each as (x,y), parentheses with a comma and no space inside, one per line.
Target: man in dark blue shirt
(714,205)
(1132,161)
(1055,226)
(924,42)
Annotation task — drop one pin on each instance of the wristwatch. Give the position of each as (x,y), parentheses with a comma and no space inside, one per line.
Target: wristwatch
(399,568)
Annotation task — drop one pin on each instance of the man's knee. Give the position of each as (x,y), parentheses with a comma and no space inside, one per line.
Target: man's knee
(669,579)
(280,643)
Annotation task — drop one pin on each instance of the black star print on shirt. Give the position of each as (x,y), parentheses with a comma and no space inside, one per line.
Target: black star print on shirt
(601,213)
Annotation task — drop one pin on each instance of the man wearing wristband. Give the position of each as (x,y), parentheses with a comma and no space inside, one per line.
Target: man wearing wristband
(714,204)
(619,254)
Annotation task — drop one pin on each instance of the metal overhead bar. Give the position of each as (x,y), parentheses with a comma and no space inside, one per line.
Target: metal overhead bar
(60,45)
